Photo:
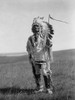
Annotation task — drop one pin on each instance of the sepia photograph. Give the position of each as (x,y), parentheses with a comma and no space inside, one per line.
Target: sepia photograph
(37,49)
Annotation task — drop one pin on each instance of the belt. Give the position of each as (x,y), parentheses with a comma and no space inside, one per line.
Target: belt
(40,62)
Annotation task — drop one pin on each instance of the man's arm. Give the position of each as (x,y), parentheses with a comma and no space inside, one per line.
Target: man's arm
(49,46)
(30,50)
(50,54)
(28,46)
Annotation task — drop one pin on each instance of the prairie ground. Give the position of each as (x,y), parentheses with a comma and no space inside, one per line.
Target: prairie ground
(17,82)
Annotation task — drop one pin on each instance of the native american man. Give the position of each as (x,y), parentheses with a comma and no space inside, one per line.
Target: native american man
(39,47)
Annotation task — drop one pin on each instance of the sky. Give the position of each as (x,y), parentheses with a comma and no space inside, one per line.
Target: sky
(16,17)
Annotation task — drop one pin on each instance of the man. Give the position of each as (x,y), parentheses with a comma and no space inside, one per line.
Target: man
(39,48)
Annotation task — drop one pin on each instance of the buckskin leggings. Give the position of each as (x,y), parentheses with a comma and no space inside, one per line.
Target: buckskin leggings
(45,67)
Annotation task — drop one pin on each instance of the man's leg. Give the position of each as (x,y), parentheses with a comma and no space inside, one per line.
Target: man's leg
(37,76)
(47,77)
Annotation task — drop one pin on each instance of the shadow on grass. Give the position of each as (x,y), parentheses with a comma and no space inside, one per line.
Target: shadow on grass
(13,91)
(16,90)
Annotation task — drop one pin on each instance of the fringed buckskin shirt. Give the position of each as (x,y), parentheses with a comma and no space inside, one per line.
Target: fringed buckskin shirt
(39,50)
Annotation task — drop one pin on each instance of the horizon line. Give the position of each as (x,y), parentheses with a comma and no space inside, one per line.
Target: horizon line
(25,53)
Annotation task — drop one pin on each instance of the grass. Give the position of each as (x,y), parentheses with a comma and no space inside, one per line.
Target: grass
(17,82)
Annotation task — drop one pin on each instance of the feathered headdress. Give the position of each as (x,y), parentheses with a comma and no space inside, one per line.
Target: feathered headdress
(45,27)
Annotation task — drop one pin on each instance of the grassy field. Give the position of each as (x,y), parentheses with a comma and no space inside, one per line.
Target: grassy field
(17,82)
